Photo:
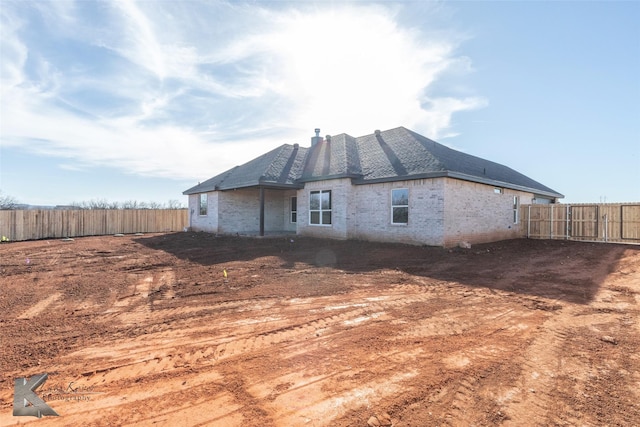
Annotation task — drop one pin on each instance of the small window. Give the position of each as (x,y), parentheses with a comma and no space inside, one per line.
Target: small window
(516,209)
(497,190)
(320,207)
(203,204)
(400,206)
(294,209)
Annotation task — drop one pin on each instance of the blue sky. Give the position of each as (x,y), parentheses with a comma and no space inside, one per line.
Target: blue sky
(123,100)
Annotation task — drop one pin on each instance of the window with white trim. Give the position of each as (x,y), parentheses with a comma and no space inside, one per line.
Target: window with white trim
(320,207)
(400,206)
(516,209)
(294,209)
(202,204)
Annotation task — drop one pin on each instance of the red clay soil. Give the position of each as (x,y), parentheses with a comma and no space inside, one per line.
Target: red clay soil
(147,330)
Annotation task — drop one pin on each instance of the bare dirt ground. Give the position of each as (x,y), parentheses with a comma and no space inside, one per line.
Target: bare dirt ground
(146,330)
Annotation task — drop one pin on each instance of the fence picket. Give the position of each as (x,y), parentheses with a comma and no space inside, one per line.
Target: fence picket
(602,222)
(46,223)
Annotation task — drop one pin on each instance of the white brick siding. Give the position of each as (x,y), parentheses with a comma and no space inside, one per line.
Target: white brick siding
(341,193)
(442,212)
(207,222)
(238,211)
(476,214)
(426,212)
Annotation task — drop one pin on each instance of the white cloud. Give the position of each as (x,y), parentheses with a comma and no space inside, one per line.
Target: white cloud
(139,41)
(13,51)
(190,101)
(440,111)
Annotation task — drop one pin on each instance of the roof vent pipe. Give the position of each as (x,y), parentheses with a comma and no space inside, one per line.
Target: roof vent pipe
(376,132)
(316,139)
(328,138)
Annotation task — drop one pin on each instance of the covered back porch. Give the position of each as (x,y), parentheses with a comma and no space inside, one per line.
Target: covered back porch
(258,211)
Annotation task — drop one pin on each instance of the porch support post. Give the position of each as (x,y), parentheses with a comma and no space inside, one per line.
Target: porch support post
(261,211)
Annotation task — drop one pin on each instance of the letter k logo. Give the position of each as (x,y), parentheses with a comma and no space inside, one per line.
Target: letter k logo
(23,395)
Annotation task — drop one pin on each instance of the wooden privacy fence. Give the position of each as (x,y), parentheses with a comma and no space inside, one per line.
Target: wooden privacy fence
(44,224)
(610,222)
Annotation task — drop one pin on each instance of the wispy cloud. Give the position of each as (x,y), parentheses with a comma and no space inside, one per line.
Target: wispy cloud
(188,89)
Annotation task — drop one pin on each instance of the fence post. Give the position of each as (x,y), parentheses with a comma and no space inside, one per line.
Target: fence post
(585,222)
(566,231)
(46,224)
(551,222)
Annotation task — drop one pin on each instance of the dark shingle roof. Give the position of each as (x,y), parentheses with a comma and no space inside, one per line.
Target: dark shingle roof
(277,168)
(337,158)
(409,154)
(391,155)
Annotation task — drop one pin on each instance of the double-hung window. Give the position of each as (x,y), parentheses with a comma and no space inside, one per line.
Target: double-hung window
(202,204)
(400,206)
(320,207)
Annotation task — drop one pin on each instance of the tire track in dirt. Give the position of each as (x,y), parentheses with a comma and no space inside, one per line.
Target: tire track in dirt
(554,365)
(458,399)
(206,353)
(40,306)
(237,347)
(569,359)
(457,404)
(463,398)
(458,356)
(543,358)
(259,342)
(202,352)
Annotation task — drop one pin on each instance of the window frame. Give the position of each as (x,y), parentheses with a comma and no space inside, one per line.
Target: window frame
(516,209)
(203,207)
(398,206)
(321,211)
(293,209)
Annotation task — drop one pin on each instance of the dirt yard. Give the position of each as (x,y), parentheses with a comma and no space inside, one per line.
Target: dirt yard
(147,330)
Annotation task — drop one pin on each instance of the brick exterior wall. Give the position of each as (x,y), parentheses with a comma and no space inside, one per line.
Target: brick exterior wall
(426,212)
(341,193)
(442,212)
(476,214)
(207,222)
(238,211)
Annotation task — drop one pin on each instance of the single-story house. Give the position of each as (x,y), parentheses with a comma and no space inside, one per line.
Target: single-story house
(394,185)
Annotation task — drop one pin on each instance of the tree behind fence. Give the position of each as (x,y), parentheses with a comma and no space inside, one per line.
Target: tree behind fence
(45,224)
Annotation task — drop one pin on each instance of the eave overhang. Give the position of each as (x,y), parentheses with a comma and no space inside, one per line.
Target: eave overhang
(464,177)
